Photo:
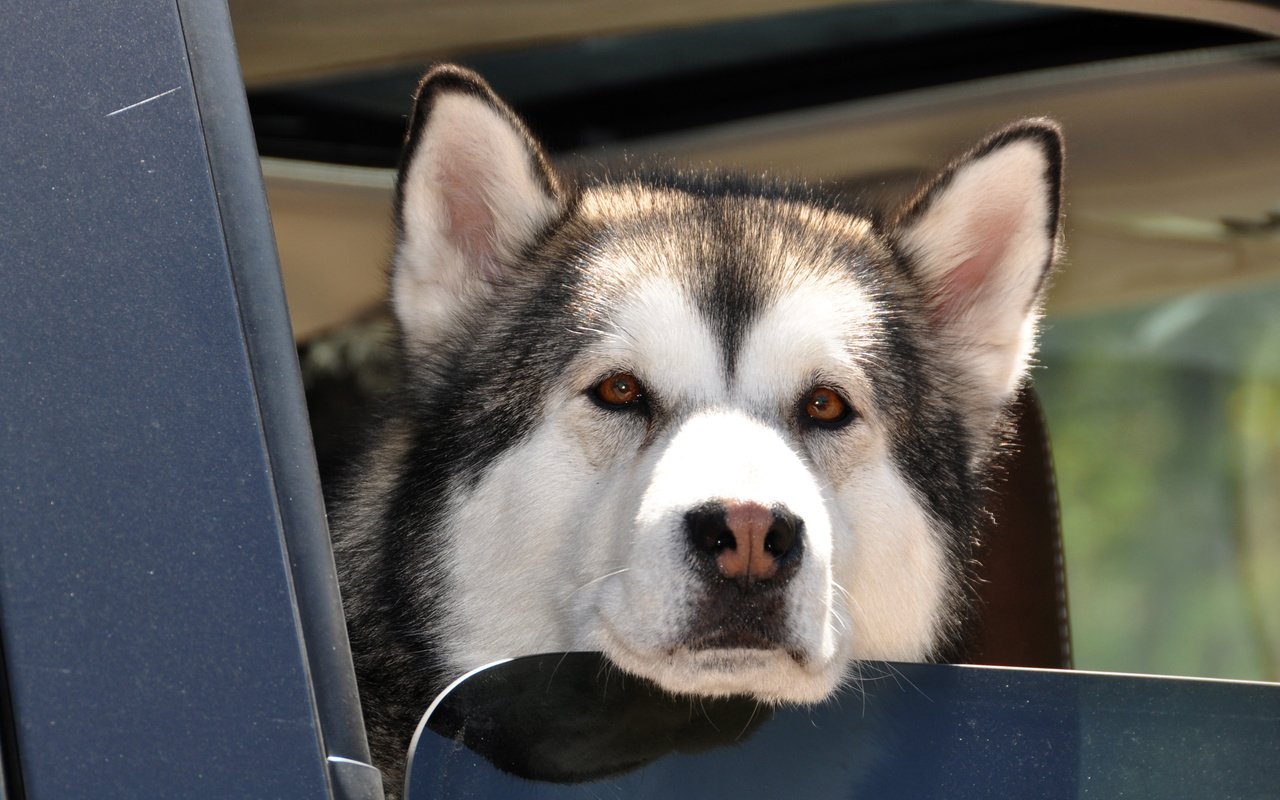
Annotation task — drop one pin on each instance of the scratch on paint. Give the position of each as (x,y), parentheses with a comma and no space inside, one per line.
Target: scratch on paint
(143,102)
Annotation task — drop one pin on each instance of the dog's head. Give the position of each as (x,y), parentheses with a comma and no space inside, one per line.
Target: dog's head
(731,436)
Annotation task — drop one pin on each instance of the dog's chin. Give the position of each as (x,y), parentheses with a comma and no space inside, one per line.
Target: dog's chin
(772,675)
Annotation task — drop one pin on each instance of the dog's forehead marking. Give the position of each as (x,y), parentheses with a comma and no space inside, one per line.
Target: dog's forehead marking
(658,331)
(693,285)
(810,331)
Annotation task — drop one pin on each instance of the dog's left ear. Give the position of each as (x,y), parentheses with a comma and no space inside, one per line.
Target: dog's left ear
(474,191)
(981,241)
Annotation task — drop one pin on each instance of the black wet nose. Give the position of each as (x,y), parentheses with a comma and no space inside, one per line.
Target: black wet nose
(746,541)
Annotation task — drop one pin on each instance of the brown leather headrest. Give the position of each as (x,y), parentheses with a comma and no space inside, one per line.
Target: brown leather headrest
(1022,596)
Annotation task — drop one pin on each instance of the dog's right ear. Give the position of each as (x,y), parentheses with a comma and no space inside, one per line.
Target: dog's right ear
(474,191)
(981,242)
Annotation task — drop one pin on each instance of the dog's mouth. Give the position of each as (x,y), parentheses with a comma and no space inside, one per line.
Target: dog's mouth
(721,640)
(727,663)
(714,649)
(729,640)
(733,620)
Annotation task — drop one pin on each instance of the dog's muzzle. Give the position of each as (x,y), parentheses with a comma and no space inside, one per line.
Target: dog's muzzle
(744,554)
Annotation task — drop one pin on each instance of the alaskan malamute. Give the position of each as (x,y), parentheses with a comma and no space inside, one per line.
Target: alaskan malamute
(721,430)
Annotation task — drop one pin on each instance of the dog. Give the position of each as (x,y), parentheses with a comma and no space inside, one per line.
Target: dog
(722,430)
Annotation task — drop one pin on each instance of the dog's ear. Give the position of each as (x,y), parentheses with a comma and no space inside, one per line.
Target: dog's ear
(980,240)
(474,191)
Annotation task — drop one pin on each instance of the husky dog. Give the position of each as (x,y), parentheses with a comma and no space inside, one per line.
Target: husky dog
(724,432)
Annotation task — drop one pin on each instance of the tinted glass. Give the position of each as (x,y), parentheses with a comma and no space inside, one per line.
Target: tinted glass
(571,726)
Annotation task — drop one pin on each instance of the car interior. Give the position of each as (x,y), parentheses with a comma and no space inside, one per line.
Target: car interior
(1159,325)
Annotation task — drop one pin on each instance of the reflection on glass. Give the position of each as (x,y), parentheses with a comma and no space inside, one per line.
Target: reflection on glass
(558,726)
(575,718)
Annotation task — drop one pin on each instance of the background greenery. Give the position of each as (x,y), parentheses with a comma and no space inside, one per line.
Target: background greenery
(1165,422)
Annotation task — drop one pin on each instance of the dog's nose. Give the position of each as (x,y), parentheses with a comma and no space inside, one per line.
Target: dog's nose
(747,541)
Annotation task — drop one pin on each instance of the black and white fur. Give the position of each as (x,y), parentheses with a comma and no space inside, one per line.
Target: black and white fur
(503,509)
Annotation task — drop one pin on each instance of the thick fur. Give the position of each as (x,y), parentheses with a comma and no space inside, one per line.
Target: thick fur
(503,509)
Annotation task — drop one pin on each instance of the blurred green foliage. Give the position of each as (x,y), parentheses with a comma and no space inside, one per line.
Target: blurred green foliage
(1165,422)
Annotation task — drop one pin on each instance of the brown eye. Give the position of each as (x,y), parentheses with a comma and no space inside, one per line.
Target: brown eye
(826,407)
(618,390)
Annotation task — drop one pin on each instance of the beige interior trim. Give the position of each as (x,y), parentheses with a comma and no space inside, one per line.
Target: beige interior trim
(282,40)
(333,231)
(1253,15)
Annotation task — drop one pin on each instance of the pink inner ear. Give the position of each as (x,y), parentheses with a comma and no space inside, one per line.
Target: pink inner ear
(471,223)
(963,285)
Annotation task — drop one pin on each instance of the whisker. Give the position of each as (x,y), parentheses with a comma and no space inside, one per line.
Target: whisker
(750,719)
(837,624)
(910,683)
(597,580)
(836,616)
(554,671)
(707,716)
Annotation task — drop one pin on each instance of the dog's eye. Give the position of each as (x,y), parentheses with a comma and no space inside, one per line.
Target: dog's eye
(824,406)
(619,390)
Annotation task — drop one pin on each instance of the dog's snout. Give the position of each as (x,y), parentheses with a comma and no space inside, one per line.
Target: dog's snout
(748,542)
